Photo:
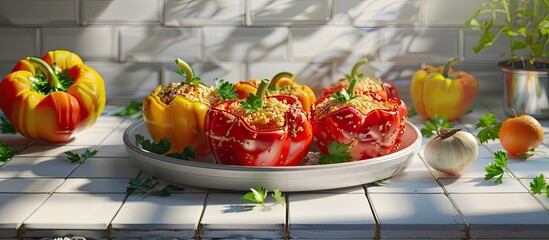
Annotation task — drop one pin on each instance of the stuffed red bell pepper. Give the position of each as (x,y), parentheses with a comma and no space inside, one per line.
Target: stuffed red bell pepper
(370,125)
(52,98)
(384,89)
(259,130)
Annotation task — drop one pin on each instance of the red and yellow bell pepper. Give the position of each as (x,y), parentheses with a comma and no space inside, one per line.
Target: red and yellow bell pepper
(233,141)
(384,89)
(282,84)
(52,98)
(443,91)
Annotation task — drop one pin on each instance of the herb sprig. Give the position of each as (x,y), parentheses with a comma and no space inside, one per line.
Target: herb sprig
(6,126)
(6,153)
(538,185)
(489,128)
(225,89)
(497,168)
(338,153)
(79,158)
(254,102)
(163,147)
(430,127)
(148,187)
(132,108)
(259,195)
(347,94)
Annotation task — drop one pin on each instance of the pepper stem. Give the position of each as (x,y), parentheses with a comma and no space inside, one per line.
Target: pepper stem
(46,69)
(357,65)
(351,89)
(186,68)
(262,89)
(447,66)
(444,133)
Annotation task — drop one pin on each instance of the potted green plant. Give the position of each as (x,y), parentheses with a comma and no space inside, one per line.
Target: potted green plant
(525,24)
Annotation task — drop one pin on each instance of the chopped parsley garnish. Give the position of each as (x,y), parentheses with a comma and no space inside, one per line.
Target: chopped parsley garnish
(338,153)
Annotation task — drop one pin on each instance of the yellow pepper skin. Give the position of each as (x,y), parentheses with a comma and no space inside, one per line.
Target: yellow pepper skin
(181,121)
(61,112)
(443,91)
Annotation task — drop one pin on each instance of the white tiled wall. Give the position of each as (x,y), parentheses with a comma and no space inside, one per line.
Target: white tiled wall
(132,43)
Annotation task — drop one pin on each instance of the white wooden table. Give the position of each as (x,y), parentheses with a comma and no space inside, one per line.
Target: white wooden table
(43,195)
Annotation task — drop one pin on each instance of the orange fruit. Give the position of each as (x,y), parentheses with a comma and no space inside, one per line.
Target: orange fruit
(519,135)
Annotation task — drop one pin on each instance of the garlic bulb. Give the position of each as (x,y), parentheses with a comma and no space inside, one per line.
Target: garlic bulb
(451,151)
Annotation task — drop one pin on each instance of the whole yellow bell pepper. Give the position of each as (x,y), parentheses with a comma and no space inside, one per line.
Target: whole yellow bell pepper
(443,91)
(52,98)
(181,121)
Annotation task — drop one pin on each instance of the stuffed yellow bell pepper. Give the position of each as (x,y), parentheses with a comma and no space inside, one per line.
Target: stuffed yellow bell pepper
(52,98)
(176,111)
(282,84)
(443,91)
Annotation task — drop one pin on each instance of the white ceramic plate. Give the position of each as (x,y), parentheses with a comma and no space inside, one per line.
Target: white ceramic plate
(288,179)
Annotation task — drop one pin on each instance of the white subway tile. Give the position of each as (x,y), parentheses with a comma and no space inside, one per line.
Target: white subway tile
(17,43)
(208,72)
(326,44)
(125,80)
(89,43)
(314,75)
(122,11)
(160,44)
(288,12)
(372,13)
(412,45)
(38,12)
(452,13)
(245,44)
(203,13)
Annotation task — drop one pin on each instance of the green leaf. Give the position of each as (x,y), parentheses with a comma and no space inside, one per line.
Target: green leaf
(194,79)
(149,187)
(489,128)
(5,153)
(338,153)
(256,195)
(277,195)
(225,90)
(188,153)
(132,108)
(538,184)
(343,95)
(252,103)
(496,169)
(486,40)
(74,157)
(517,45)
(430,127)
(6,126)
(163,147)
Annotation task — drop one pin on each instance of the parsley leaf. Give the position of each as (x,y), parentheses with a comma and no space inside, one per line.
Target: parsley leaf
(5,153)
(337,153)
(344,95)
(132,108)
(194,79)
(538,184)
(489,128)
(6,126)
(277,195)
(497,168)
(225,89)
(148,187)
(252,103)
(430,127)
(257,195)
(163,147)
(74,157)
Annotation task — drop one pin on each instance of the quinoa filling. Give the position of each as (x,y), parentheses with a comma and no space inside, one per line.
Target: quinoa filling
(363,103)
(271,116)
(193,92)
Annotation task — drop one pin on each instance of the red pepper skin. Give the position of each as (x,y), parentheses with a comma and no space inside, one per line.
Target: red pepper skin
(377,133)
(233,142)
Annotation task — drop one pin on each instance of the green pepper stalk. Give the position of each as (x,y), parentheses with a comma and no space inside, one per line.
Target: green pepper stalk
(346,94)
(48,71)
(189,76)
(446,69)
